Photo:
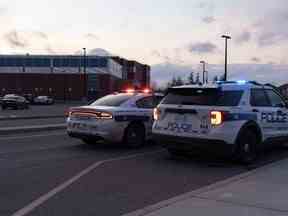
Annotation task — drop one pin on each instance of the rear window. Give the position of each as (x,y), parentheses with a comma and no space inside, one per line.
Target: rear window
(112,100)
(203,97)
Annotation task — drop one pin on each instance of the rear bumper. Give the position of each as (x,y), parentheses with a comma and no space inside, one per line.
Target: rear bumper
(194,144)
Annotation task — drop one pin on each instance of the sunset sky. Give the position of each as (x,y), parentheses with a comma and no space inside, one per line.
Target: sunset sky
(170,35)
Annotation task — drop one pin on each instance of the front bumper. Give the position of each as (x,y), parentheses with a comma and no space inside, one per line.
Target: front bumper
(194,144)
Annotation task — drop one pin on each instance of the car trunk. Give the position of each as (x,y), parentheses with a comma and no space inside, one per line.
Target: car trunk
(187,111)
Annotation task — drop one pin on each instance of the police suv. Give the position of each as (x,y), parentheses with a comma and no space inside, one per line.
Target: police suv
(237,117)
(125,117)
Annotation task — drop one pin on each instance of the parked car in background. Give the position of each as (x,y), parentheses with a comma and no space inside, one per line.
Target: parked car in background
(14,101)
(45,100)
(29,97)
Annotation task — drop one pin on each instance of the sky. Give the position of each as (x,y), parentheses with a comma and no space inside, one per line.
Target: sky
(170,35)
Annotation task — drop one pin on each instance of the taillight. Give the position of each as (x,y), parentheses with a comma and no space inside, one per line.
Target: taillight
(156,114)
(92,114)
(217,117)
(67,112)
(105,115)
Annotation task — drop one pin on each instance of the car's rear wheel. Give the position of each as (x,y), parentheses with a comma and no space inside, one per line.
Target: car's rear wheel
(4,107)
(134,135)
(247,147)
(175,153)
(89,141)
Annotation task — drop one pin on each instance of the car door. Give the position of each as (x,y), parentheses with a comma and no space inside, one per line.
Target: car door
(261,107)
(280,112)
(146,106)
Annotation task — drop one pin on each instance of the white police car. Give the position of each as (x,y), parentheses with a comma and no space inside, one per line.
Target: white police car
(236,116)
(121,117)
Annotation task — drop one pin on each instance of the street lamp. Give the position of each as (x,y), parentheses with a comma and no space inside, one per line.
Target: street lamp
(226,37)
(84,71)
(204,71)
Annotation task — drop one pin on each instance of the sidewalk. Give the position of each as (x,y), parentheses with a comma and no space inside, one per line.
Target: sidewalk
(261,192)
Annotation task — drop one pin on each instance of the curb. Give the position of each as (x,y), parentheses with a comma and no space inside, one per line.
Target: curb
(13,130)
(195,193)
(30,117)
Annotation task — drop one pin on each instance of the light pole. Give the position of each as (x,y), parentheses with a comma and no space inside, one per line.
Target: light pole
(84,72)
(203,63)
(226,37)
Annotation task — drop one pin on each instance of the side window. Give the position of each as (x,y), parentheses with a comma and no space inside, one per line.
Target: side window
(275,99)
(259,98)
(157,100)
(146,103)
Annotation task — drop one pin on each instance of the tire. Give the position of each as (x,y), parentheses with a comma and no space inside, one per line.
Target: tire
(3,107)
(247,147)
(175,153)
(88,141)
(134,135)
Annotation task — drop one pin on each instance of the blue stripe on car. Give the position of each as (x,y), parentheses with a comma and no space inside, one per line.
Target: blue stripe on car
(240,117)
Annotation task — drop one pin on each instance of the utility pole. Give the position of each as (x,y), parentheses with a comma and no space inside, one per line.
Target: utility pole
(226,37)
(84,72)
(203,78)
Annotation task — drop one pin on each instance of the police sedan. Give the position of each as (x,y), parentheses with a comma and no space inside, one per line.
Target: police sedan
(125,117)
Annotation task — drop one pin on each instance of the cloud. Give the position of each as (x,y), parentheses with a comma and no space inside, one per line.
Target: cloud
(15,39)
(202,47)
(209,19)
(95,51)
(92,36)
(49,49)
(243,37)
(256,59)
(3,11)
(162,73)
(272,28)
(41,35)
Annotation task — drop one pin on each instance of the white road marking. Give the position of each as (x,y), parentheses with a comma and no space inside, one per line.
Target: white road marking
(32,136)
(42,199)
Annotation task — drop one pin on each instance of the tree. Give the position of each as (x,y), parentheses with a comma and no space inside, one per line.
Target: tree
(175,82)
(197,78)
(222,78)
(179,81)
(215,79)
(191,78)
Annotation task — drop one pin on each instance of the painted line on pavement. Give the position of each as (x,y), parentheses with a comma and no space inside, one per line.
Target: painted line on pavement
(42,199)
(31,136)
(196,193)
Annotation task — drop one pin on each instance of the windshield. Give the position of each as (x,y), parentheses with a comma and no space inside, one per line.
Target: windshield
(112,100)
(204,97)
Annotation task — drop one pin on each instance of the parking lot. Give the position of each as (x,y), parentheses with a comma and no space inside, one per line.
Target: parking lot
(38,110)
(48,173)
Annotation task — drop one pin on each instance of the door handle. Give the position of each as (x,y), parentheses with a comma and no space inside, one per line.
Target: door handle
(279,112)
(255,110)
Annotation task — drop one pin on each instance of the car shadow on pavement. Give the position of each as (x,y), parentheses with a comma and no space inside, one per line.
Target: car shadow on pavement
(266,156)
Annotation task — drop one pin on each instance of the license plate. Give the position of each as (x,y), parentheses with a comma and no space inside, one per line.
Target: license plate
(80,126)
(180,118)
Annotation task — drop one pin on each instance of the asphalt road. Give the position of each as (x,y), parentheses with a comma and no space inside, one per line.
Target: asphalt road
(53,167)
(31,122)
